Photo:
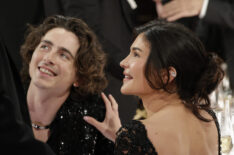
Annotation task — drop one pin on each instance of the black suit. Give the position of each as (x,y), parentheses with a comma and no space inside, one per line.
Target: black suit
(216,29)
(16,136)
(112,21)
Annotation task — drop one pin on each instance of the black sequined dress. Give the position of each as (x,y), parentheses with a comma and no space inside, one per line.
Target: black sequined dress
(71,135)
(132,139)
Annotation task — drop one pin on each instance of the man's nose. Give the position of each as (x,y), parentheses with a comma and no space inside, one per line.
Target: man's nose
(49,58)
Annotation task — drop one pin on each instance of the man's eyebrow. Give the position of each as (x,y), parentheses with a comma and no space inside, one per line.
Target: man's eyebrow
(136,49)
(60,48)
(67,51)
(47,42)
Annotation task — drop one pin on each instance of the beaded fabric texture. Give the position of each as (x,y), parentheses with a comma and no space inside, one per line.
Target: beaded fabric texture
(70,134)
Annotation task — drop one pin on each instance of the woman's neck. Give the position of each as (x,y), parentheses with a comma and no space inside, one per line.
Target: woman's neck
(43,104)
(158,100)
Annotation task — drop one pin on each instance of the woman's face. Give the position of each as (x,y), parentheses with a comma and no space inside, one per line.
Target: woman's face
(52,63)
(134,82)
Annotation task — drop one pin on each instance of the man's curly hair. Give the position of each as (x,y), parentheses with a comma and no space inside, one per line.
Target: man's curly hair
(90,59)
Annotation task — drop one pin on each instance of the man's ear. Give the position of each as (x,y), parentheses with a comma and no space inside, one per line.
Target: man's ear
(76,84)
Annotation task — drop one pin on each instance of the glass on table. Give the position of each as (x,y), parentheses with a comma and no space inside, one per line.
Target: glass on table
(224,116)
(222,103)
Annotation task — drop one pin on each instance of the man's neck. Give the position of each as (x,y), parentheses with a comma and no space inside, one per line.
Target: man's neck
(43,104)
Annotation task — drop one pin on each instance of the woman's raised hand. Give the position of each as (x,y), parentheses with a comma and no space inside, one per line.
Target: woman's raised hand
(111,123)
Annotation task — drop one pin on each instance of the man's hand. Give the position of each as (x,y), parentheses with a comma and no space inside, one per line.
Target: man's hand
(111,123)
(176,9)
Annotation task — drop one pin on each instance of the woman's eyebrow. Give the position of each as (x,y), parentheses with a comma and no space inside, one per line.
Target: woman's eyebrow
(137,49)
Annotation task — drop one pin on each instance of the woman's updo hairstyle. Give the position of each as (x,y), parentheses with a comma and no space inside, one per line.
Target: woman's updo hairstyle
(198,72)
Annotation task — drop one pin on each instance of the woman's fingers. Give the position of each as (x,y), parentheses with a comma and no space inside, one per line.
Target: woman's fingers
(94,122)
(114,103)
(110,103)
(106,101)
(111,123)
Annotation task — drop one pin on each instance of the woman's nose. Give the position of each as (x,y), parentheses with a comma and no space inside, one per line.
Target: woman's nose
(123,63)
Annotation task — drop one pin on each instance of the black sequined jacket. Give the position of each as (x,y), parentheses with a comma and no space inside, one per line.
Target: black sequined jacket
(71,135)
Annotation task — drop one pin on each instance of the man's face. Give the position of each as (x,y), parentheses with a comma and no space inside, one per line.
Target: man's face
(52,63)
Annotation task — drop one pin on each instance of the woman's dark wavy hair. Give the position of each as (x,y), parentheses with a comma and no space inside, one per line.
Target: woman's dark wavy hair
(90,59)
(198,71)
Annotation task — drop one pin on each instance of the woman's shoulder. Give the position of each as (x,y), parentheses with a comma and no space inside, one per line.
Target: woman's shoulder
(176,121)
(180,127)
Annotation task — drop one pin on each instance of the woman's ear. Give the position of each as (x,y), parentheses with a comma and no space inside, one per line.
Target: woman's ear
(172,74)
(168,75)
(165,76)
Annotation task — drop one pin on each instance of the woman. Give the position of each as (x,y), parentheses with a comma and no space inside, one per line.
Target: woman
(63,73)
(169,69)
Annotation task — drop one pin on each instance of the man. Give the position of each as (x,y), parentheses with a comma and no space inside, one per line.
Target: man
(113,22)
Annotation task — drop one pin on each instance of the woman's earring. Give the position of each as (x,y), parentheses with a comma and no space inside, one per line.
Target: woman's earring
(173,74)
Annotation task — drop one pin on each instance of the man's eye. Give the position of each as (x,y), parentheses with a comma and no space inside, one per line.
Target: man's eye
(64,56)
(45,47)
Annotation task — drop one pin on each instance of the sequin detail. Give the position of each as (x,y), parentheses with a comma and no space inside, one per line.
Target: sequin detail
(70,134)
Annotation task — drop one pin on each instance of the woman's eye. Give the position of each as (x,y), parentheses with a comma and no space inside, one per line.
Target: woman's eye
(135,54)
